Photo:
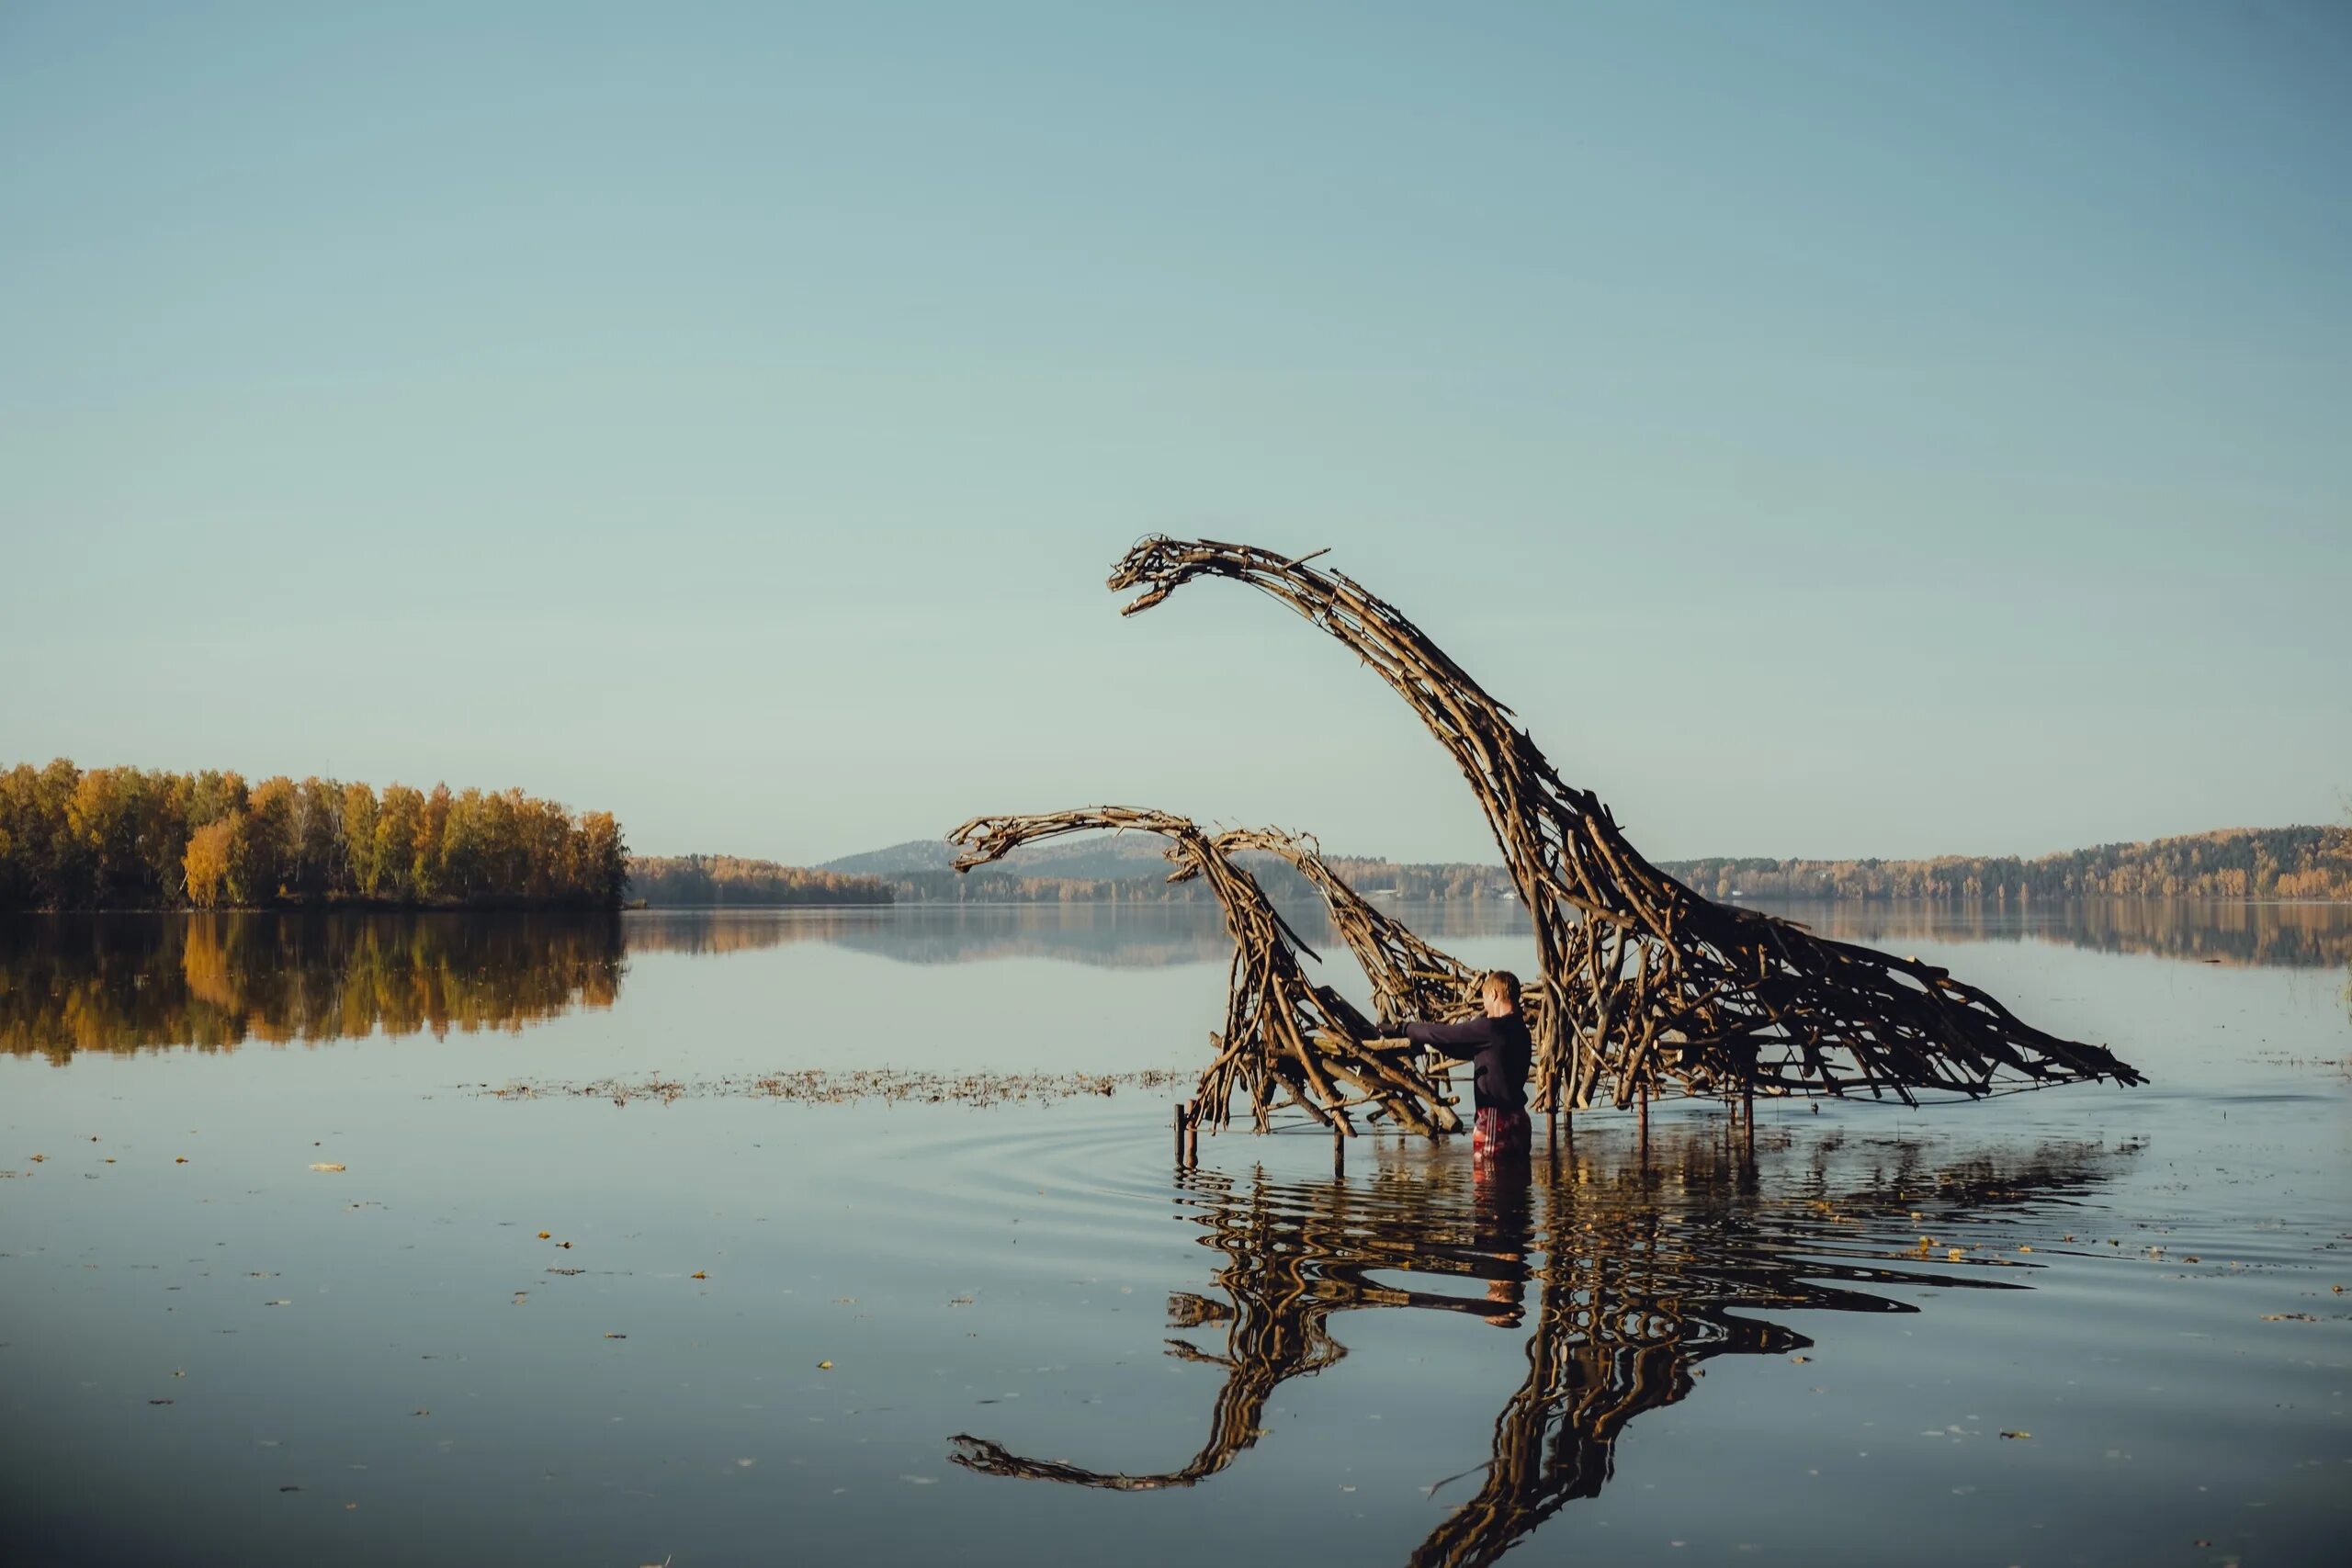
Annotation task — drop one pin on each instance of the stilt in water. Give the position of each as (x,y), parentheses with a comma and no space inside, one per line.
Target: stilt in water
(1747,1118)
(1641,1101)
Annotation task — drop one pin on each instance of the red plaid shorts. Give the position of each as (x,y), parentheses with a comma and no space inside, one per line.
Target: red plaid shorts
(1500,1132)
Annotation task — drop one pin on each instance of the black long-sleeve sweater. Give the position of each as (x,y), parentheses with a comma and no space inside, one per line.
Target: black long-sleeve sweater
(1498,1050)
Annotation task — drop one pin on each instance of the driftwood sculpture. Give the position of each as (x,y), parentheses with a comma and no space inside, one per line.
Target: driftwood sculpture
(1641,980)
(1284,1037)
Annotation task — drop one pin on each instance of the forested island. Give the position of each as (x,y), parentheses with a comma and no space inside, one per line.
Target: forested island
(696,880)
(133,839)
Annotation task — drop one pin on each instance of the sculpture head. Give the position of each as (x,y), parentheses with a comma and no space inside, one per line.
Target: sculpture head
(1159,564)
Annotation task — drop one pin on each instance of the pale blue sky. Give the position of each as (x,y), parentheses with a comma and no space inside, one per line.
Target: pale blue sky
(1837,429)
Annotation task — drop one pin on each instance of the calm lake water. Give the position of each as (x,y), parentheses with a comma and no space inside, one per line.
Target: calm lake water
(2084,1326)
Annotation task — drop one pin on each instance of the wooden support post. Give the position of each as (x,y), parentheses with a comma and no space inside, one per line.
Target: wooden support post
(1642,1104)
(1183,1132)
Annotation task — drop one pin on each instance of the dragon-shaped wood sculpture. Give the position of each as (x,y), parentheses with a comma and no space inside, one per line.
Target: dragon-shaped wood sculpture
(1641,981)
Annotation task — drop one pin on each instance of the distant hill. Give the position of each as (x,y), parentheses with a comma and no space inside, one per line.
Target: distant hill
(915,855)
(2233,863)
(1096,857)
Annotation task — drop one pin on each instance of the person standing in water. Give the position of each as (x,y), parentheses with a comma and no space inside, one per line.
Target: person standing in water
(1499,1050)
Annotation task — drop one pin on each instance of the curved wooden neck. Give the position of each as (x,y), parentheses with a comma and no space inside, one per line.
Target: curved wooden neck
(1473,727)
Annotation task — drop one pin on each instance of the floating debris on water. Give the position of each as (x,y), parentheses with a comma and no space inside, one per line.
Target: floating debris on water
(819,1085)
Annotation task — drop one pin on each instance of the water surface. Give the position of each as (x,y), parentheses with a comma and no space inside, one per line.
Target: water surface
(891,1331)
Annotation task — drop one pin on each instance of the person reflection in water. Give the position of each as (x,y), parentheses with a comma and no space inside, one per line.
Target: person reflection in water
(1499,1049)
(1503,1218)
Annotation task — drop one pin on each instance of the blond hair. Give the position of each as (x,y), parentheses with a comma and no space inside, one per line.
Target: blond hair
(1500,986)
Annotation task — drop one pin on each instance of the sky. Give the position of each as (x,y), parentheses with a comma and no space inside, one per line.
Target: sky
(1835,429)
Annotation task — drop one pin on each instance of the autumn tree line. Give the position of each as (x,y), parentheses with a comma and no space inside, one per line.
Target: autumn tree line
(719,880)
(2234,862)
(2304,862)
(132,839)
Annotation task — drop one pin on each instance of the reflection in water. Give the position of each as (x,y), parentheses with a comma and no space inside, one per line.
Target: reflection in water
(124,983)
(1108,935)
(2285,936)
(1645,1273)
(1156,935)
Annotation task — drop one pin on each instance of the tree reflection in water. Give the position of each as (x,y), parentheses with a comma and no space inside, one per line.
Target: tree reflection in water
(1641,1273)
(117,983)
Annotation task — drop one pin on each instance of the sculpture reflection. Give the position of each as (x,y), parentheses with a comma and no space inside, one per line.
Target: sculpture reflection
(1644,1272)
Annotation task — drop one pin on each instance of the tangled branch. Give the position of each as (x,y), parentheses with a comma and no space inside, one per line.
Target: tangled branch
(1285,1039)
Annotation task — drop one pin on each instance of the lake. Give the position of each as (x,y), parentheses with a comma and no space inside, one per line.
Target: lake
(672,1238)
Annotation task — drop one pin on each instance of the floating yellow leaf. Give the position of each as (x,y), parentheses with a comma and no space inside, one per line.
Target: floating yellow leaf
(326,1165)
(2017,1434)
(545,1236)
(824,1366)
(699,1274)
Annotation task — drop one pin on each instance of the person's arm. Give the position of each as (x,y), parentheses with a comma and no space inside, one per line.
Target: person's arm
(1457,1039)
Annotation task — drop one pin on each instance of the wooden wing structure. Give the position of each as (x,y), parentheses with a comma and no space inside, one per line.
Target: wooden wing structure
(1285,1039)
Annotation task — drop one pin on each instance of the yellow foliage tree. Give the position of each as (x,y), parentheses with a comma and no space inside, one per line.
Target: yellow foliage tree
(215,853)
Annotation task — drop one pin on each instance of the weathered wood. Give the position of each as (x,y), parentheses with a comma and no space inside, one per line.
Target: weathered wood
(1641,980)
(1285,1040)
